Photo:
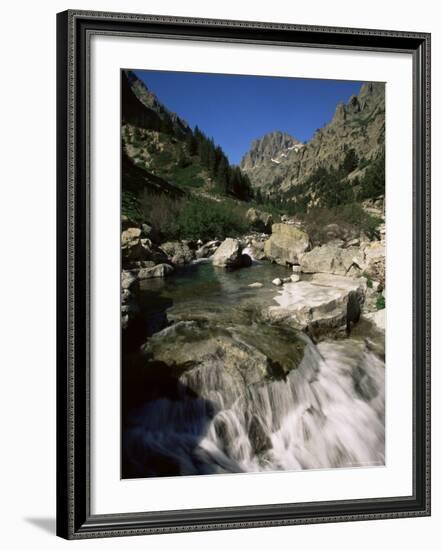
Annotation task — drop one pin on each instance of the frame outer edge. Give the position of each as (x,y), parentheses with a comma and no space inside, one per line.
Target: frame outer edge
(62,288)
(71,522)
(265,25)
(427,260)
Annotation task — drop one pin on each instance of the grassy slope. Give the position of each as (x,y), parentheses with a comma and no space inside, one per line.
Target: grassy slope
(163,155)
(170,190)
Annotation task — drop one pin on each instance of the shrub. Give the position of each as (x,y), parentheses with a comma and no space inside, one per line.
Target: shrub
(350,217)
(207,219)
(355,215)
(160,211)
(186,176)
(380,302)
(192,217)
(130,206)
(329,187)
(373,183)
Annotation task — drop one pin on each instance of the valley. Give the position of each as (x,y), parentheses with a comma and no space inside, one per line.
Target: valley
(252,295)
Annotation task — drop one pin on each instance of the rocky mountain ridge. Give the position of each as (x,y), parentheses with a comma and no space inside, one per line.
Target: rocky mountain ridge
(142,108)
(272,147)
(358,125)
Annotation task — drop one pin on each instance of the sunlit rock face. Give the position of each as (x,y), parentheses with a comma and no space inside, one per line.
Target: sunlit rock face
(278,163)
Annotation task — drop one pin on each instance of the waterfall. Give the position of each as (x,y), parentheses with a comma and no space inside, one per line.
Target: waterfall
(326,413)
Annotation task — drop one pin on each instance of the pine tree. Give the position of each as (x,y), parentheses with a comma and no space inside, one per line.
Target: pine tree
(182,160)
(166,125)
(211,158)
(222,174)
(191,144)
(203,151)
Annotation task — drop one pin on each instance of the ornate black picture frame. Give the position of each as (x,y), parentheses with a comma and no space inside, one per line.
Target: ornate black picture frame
(74,518)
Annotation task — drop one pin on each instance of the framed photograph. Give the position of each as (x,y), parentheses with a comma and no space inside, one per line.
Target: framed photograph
(243,274)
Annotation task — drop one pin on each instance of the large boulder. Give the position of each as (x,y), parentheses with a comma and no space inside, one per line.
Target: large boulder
(286,244)
(325,306)
(232,374)
(374,265)
(377,318)
(160,270)
(129,280)
(228,254)
(260,221)
(178,252)
(130,234)
(321,259)
(186,345)
(208,249)
(332,258)
(255,249)
(129,297)
(135,247)
(206,357)
(334,231)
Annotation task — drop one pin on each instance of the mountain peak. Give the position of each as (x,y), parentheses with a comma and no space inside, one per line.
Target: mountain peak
(273,146)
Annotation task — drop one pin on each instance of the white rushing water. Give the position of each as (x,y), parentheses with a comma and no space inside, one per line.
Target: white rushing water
(327,413)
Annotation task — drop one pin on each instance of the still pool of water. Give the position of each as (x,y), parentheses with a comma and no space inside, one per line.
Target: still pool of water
(203,288)
(201,280)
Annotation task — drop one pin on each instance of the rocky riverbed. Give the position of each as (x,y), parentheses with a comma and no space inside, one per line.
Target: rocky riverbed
(254,353)
(340,278)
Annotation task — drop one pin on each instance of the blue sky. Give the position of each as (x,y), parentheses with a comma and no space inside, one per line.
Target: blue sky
(235,110)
